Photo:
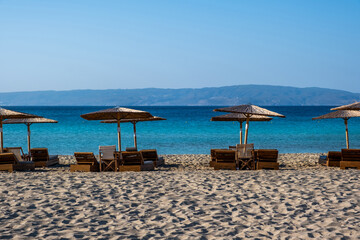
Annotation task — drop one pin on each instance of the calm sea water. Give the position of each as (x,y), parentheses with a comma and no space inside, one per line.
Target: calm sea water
(186,130)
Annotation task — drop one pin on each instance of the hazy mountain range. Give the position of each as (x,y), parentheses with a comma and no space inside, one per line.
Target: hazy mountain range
(264,95)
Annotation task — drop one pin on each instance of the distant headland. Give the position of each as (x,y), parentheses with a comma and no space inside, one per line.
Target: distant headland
(264,95)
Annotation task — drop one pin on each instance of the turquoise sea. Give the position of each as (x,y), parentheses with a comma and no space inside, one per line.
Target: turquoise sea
(186,130)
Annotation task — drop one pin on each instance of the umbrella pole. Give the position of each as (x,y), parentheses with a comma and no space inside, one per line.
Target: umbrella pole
(246,129)
(1,136)
(119,134)
(241,133)
(135,138)
(347,133)
(28,137)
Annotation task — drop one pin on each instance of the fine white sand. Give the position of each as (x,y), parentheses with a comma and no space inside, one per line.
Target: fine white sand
(183,200)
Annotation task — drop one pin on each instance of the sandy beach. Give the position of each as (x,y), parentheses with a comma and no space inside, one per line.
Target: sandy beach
(185,199)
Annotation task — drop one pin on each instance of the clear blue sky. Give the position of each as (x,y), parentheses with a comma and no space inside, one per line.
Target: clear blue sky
(73,44)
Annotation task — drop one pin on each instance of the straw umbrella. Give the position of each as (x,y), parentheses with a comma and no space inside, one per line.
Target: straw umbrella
(9,114)
(353,106)
(117,113)
(344,114)
(239,117)
(134,122)
(249,111)
(28,122)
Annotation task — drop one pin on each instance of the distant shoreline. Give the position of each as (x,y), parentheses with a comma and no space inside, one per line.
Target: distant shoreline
(262,95)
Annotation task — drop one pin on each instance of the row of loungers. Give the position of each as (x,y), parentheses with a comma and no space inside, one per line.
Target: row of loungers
(256,159)
(111,160)
(13,158)
(347,158)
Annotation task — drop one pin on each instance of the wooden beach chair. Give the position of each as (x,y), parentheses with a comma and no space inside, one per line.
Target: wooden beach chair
(19,153)
(333,159)
(133,161)
(225,159)
(244,155)
(350,158)
(266,159)
(41,158)
(151,155)
(109,160)
(86,162)
(9,162)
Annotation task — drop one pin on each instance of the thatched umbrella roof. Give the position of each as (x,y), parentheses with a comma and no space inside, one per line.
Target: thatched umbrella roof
(28,122)
(9,114)
(250,110)
(134,121)
(239,117)
(344,114)
(154,118)
(117,113)
(352,106)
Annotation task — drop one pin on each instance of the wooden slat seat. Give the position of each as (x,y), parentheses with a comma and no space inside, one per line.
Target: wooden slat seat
(133,161)
(151,155)
(41,158)
(86,162)
(9,162)
(333,159)
(225,159)
(350,158)
(266,159)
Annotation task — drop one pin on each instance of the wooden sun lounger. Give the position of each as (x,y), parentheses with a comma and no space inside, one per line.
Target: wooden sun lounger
(350,158)
(151,155)
(19,153)
(266,159)
(86,162)
(333,159)
(9,162)
(133,161)
(225,159)
(212,156)
(41,158)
